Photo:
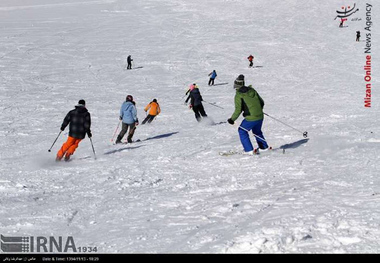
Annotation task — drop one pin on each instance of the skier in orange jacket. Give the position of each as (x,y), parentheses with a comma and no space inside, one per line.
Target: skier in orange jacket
(154,110)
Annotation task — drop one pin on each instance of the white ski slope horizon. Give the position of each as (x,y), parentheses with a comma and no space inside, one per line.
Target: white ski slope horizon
(172,192)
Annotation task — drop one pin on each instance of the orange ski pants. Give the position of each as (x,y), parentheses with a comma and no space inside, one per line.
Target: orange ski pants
(68,147)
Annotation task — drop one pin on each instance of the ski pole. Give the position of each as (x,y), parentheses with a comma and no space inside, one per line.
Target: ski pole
(113,137)
(186,94)
(213,104)
(303,133)
(253,134)
(55,141)
(93,148)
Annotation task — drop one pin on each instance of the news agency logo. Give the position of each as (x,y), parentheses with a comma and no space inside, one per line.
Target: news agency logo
(345,12)
(15,244)
(30,244)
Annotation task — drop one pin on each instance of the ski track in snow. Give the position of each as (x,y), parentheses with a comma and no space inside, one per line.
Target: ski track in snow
(172,192)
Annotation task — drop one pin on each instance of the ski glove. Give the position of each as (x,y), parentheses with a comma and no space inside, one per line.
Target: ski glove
(89,134)
(230,121)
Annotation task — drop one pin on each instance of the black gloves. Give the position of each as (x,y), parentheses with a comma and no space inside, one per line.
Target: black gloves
(230,121)
(89,134)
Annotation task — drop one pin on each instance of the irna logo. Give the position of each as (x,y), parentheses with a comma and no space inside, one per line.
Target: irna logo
(38,244)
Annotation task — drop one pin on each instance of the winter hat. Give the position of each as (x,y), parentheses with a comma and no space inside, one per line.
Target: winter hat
(81,103)
(129,98)
(239,82)
(154,100)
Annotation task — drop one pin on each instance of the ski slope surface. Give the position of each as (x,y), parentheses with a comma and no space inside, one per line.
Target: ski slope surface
(172,192)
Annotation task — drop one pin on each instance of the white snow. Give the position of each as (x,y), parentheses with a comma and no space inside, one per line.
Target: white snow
(173,192)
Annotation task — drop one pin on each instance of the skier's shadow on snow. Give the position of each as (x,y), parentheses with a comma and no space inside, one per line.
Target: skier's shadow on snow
(294,145)
(84,158)
(161,136)
(122,149)
(219,84)
(219,123)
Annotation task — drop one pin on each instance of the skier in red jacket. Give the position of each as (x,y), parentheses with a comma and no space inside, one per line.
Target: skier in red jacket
(250,58)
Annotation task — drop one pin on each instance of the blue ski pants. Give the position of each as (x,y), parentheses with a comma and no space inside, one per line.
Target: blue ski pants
(255,126)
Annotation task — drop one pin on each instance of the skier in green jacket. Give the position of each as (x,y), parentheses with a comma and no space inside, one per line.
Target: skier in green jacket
(248,101)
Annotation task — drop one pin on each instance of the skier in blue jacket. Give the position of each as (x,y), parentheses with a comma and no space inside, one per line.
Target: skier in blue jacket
(212,78)
(128,114)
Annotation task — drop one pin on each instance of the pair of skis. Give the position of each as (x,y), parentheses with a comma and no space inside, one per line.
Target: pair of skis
(255,152)
(124,143)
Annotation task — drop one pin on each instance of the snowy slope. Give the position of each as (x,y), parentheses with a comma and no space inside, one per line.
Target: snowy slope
(172,192)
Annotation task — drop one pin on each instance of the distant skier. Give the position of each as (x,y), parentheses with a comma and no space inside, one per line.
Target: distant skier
(128,114)
(212,76)
(153,112)
(195,98)
(80,124)
(357,36)
(250,59)
(248,101)
(129,61)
